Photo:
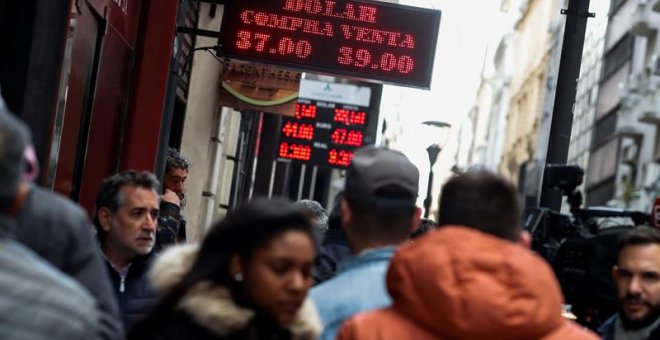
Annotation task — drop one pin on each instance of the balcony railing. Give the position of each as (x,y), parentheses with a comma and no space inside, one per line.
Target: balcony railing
(641,94)
(645,21)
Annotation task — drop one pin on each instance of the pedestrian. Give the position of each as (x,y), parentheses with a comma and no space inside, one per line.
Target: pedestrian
(247,280)
(378,213)
(334,246)
(125,218)
(425,225)
(52,226)
(317,215)
(176,173)
(37,301)
(637,278)
(472,278)
(172,223)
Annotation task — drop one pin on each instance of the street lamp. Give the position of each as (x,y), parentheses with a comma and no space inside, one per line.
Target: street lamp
(433,151)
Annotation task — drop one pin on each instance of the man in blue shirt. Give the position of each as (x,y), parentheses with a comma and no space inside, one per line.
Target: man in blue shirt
(378,213)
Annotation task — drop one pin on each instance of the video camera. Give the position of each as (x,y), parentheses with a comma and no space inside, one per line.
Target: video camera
(581,251)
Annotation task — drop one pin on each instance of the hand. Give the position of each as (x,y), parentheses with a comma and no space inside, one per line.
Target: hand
(171,197)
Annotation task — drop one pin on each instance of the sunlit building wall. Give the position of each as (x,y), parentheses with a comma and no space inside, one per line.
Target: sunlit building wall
(528,85)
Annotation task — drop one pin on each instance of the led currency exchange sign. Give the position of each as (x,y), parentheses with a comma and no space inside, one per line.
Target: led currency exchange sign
(362,39)
(326,133)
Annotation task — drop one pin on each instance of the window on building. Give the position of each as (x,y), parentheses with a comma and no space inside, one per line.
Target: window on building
(618,55)
(615,5)
(602,163)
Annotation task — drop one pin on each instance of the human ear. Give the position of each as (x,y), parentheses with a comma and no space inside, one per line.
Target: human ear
(416,218)
(525,239)
(346,214)
(105,218)
(236,268)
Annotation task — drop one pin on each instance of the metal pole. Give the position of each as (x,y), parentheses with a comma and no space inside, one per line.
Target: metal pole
(301,183)
(272,179)
(312,186)
(562,114)
(427,201)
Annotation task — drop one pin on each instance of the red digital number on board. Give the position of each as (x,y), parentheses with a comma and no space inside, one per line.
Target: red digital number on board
(345,137)
(339,157)
(305,111)
(295,151)
(301,131)
(363,59)
(261,42)
(350,117)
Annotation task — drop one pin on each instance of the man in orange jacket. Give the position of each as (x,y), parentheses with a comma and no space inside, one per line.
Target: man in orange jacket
(472,278)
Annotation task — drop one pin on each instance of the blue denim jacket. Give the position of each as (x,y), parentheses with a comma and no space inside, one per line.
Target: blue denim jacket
(359,287)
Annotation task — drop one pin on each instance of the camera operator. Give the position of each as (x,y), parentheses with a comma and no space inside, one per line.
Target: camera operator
(637,277)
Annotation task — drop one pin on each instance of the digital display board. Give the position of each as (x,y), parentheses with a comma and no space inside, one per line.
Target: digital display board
(325,134)
(362,39)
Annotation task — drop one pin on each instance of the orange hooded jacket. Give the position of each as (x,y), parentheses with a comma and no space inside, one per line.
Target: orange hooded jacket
(459,283)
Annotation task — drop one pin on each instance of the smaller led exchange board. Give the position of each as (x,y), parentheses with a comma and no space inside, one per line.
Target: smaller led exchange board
(362,39)
(330,122)
(323,134)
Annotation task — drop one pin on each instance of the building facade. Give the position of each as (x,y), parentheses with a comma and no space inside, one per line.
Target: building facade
(503,62)
(588,85)
(92,80)
(622,168)
(528,86)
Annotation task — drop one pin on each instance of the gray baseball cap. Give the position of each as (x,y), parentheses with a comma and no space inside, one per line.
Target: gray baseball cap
(381,179)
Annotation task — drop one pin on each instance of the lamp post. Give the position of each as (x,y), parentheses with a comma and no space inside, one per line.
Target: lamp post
(434,150)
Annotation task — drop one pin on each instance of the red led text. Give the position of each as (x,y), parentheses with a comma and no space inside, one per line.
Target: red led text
(387,62)
(330,9)
(347,137)
(301,131)
(350,117)
(339,157)
(287,23)
(375,36)
(305,111)
(284,46)
(295,151)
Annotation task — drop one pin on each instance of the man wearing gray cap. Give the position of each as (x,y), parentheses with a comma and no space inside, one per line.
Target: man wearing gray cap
(378,213)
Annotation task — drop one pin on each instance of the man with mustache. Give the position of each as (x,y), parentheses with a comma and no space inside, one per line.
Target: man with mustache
(125,217)
(637,276)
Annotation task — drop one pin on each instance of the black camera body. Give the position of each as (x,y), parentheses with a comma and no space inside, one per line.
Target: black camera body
(581,253)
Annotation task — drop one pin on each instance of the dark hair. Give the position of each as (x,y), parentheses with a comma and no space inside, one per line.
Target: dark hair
(381,224)
(175,161)
(109,192)
(240,233)
(425,225)
(639,236)
(334,218)
(484,201)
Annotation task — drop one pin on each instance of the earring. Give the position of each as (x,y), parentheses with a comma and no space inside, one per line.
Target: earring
(238,277)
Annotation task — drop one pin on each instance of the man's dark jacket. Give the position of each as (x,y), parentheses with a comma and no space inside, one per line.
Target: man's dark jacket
(334,249)
(60,232)
(607,329)
(136,295)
